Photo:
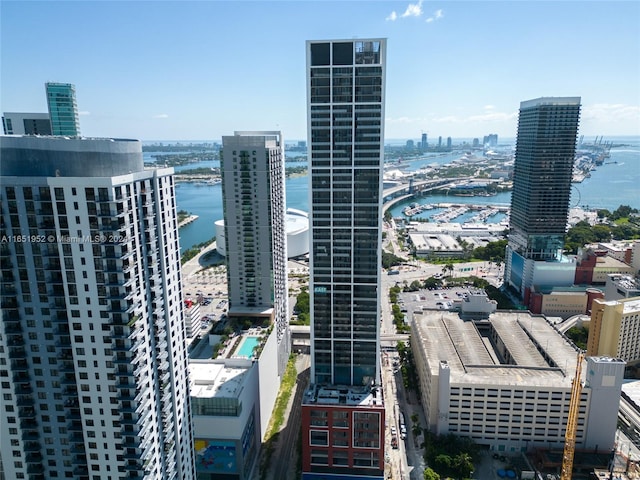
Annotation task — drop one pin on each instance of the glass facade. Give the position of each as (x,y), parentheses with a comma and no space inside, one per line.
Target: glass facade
(63,110)
(545,149)
(345,125)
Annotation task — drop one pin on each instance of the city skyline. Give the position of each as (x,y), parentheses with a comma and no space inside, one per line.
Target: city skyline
(182,66)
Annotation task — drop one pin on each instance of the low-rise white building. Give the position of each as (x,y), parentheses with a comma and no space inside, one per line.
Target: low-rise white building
(477,304)
(506,382)
(435,245)
(619,286)
(232,401)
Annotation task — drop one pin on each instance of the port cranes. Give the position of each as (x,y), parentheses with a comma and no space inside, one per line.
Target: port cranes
(572,422)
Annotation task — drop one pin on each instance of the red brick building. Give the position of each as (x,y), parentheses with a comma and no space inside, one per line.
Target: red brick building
(343,433)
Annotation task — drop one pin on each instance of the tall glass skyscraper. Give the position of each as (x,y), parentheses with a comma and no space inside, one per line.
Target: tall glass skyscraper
(345,124)
(545,151)
(63,109)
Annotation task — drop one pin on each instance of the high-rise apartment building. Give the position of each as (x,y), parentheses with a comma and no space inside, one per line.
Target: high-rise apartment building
(614,329)
(545,150)
(343,412)
(63,109)
(233,393)
(94,361)
(18,123)
(253,198)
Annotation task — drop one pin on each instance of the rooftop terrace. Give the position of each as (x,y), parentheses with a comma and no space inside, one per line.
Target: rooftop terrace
(343,395)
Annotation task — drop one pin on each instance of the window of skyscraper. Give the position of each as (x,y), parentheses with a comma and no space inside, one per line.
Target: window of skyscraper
(320,54)
(343,53)
(367,52)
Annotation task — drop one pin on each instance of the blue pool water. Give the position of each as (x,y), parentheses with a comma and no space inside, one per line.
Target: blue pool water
(247,346)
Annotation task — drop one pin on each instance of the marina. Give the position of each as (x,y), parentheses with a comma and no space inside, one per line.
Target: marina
(454,211)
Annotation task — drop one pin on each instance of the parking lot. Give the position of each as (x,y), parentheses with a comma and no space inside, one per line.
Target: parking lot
(424,299)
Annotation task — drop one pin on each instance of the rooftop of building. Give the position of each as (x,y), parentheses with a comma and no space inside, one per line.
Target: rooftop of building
(540,355)
(625,280)
(61,156)
(632,390)
(629,305)
(210,379)
(614,246)
(609,262)
(353,396)
(579,290)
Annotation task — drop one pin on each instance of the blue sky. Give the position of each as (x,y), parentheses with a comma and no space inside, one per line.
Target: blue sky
(169,70)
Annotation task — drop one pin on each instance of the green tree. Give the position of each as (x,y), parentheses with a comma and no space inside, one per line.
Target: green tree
(432,282)
(444,461)
(390,260)
(579,336)
(430,474)
(448,268)
(463,464)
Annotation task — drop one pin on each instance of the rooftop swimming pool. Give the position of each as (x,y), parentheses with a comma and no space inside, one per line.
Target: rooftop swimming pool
(247,346)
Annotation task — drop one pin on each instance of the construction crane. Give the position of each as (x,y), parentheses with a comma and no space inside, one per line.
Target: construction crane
(572,422)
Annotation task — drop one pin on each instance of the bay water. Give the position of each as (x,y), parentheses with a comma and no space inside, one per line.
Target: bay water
(615,183)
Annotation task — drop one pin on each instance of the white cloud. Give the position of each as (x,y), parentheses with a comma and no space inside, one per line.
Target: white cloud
(437,15)
(491,117)
(402,120)
(392,16)
(489,107)
(473,119)
(413,10)
(161,115)
(607,112)
(84,113)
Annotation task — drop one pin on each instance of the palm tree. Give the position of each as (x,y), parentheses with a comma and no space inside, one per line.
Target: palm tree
(450,268)
(463,463)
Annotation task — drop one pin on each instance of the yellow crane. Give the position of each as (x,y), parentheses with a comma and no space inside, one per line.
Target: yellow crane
(572,422)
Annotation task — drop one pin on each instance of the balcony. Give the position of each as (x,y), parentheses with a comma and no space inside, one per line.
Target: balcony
(66,366)
(17,352)
(35,468)
(122,346)
(9,302)
(78,448)
(68,379)
(20,377)
(124,382)
(13,326)
(32,447)
(70,391)
(143,406)
(73,414)
(28,423)
(25,401)
(77,437)
(23,389)
(132,455)
(71,403)
(30,435)
(121,359)
(15,340)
